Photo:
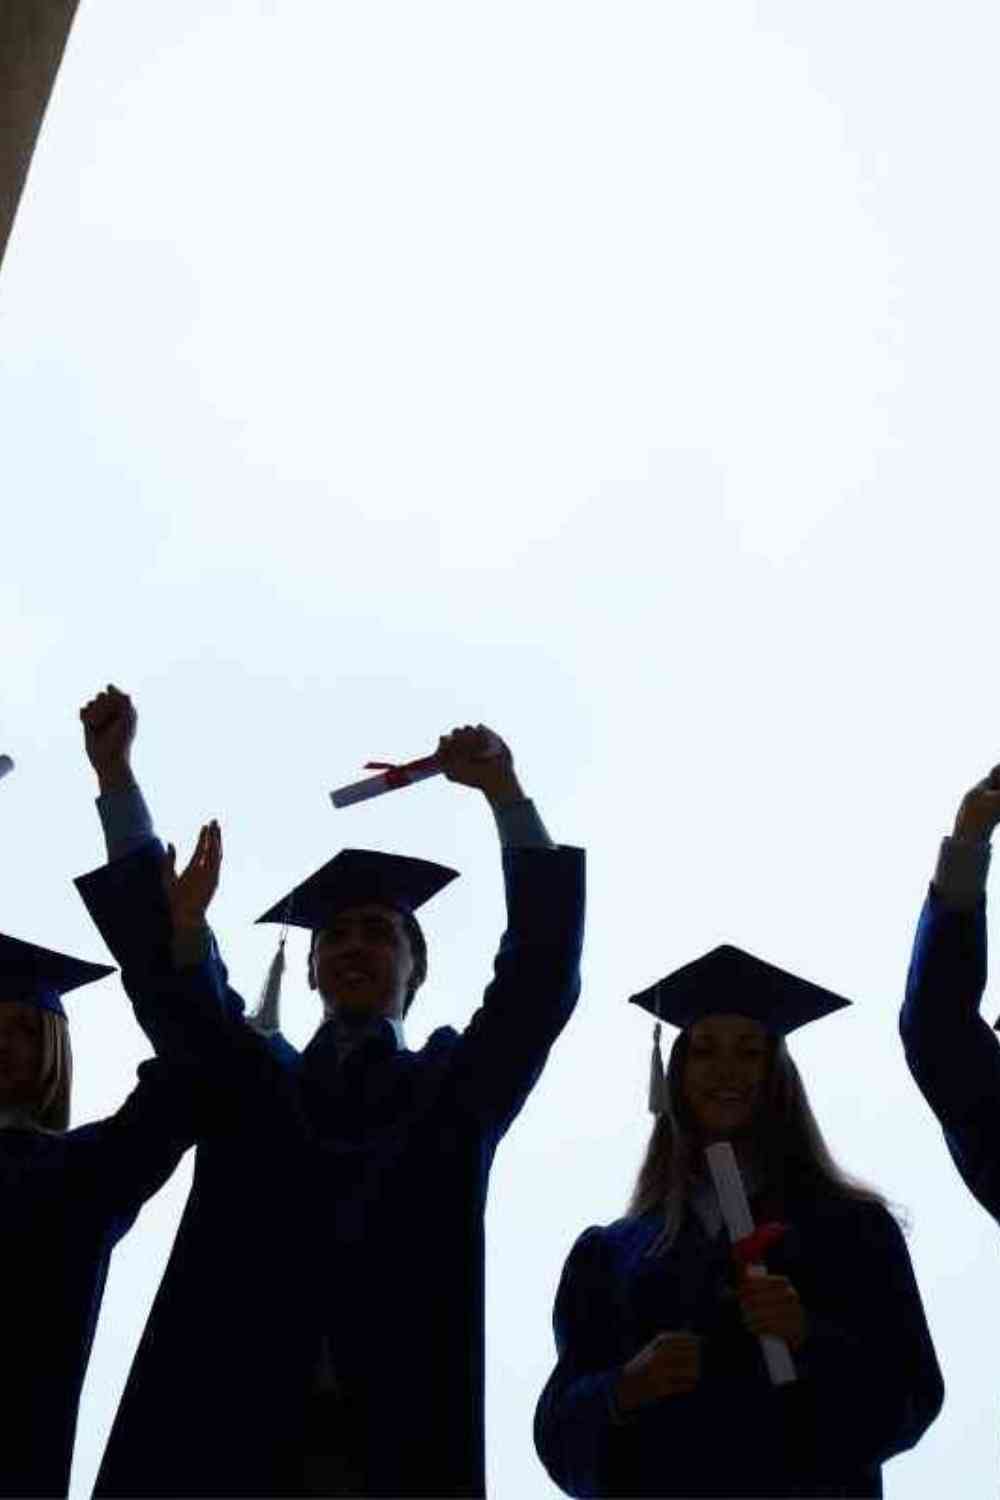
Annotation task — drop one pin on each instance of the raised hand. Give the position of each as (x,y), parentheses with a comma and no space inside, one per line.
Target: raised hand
(979,813)
(190,893)
(770,1304)
(474,756)
(669,1365)
(109,725)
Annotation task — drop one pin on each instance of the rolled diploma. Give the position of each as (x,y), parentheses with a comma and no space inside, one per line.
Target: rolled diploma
(736,1212)
(6,766)
(374,786)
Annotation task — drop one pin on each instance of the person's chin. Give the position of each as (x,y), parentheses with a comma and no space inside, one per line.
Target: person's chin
(357,1008)
(722,1129)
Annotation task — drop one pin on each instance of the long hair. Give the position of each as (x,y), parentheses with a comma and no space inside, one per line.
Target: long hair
(49,1108)
(786,1137)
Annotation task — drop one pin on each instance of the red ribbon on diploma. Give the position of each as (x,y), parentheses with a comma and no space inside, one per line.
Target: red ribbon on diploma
(400,775)
(752,1248)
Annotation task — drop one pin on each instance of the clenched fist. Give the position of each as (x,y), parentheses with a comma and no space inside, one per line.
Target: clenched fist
(475,756)
(979,813)
(669,1365)
(109,724)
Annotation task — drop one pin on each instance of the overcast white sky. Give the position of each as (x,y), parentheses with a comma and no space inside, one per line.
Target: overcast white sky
(622,375)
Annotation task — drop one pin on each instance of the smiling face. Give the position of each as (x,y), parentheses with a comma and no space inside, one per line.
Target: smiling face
(361,963)
(21,1054)
(724,1073)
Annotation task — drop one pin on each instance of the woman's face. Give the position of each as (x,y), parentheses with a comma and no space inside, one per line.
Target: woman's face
(724,1073)
(20,1052)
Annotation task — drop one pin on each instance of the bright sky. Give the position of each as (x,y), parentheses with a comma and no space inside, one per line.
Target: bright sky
(617,374)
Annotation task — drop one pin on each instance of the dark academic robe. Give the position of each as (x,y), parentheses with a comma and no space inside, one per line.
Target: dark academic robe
(953,1054)
(869,1383)
(345,1199)
(65,1201)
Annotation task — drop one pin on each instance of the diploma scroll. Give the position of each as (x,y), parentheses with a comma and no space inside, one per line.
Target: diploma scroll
(736,1212)
(391,778)
(6,766)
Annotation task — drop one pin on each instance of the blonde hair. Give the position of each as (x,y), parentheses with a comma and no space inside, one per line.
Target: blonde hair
(50,1109)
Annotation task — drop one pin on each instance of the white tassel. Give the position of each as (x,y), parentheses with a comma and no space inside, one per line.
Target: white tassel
(657,1077)
(266,1018)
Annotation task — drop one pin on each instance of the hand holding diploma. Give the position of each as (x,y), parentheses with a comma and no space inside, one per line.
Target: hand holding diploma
(771,1308)
(472,755)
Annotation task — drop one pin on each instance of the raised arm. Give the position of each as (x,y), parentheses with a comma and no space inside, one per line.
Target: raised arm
(152,917)
(536,979)
(951,1051)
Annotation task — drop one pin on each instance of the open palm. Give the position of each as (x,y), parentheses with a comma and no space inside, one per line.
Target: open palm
(189,894)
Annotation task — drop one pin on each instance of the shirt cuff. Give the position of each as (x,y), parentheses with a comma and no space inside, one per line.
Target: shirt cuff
(962,867)
(520,827)
(192,946)
(125,819)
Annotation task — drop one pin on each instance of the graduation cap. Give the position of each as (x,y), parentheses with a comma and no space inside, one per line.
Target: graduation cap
(39,977)
(727,980)
(354,877)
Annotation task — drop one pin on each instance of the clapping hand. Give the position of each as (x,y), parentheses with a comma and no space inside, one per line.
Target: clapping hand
(190,893)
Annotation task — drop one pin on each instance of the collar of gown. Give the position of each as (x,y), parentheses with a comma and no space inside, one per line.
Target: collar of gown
(347,1038)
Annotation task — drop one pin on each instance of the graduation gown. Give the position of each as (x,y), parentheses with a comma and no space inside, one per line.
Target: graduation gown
(65,1200)
(343,1199)
(952,1053)
(869,1383)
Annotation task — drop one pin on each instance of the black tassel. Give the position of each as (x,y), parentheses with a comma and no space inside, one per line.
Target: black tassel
(657,1078)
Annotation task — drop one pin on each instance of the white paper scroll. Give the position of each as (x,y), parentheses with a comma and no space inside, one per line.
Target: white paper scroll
(6,766)
(725,1172)
(374,786)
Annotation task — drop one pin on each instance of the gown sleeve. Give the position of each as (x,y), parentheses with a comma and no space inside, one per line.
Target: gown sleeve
(187,1013)
(951,1052)
(574,1426)
(131,1154)
(535,985)
(869,1381)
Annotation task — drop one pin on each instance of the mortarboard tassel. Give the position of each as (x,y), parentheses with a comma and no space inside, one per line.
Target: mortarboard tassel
(657,1078)
(266,1017)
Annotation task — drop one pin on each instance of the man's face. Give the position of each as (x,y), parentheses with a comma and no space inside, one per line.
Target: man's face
(20,1053)
(361,963)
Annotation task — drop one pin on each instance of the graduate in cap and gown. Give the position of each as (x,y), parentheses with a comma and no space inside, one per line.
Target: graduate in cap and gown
(661,1387)
(66,1197)
(320,1326)
(951,1051)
